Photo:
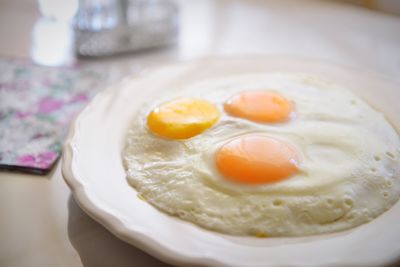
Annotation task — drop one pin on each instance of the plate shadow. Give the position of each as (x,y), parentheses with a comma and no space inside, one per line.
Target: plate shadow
(97,247)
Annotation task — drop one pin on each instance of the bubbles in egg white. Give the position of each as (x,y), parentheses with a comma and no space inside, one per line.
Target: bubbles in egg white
(349,171)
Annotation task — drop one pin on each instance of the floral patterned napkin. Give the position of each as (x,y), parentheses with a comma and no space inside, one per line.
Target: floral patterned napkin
(36,105)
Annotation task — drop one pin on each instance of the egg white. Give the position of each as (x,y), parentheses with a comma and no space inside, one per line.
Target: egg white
(349,167)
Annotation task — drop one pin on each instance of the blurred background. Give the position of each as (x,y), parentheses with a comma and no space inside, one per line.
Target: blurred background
(56,32)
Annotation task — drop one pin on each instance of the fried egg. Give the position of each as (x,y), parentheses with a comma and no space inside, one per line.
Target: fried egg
(264,155)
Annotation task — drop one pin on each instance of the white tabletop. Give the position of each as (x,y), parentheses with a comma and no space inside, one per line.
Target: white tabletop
(41,225)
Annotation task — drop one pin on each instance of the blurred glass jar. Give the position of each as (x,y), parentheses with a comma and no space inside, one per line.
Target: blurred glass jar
(108,27)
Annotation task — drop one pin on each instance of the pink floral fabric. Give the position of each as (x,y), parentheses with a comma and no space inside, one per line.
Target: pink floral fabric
(36,106)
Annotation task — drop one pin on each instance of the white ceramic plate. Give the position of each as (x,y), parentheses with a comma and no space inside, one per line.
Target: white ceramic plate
(93,169)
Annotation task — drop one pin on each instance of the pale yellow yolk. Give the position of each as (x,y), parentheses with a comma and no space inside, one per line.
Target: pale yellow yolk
(182,118)
(254,159)
(259,106)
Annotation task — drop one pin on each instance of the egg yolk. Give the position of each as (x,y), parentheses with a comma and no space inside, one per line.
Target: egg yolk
(254,159)
(182,118)
(259,106)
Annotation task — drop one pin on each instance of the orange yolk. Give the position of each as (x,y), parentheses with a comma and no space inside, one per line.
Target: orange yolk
(259,106)
(255,159)
(182,118)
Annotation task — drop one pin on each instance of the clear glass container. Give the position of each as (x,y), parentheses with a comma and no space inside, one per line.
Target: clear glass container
(107,27)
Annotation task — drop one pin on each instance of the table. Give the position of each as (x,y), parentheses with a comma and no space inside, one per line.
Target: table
(41,225)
